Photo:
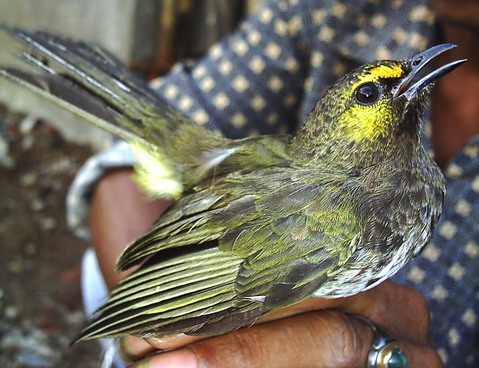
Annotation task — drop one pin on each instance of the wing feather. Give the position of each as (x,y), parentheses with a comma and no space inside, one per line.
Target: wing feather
(229,253)
(185,287)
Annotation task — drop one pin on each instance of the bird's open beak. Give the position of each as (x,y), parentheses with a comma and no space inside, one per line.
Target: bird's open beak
(417,62)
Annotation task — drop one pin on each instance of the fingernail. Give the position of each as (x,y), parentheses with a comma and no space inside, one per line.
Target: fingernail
(158,341)
(183,358)
(172,341)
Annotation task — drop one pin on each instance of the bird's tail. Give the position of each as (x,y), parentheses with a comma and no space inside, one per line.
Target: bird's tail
(92,84)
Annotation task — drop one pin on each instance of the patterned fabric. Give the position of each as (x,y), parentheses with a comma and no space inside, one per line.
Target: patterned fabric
(268,76)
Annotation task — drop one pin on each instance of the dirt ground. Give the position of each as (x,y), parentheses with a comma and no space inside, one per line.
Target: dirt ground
(40,301)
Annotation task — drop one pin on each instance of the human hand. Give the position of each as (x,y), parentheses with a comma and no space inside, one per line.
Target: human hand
(119,213)
(313,333)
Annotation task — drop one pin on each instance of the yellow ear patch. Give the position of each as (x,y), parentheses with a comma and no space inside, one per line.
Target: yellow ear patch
(385,71)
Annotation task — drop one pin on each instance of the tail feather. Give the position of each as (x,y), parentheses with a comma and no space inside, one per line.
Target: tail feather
(78,102)
(80,73)
(92,84)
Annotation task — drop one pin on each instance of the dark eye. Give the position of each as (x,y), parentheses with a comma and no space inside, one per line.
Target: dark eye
(367,94)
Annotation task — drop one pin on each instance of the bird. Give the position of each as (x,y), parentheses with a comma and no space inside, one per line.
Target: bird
(259,223)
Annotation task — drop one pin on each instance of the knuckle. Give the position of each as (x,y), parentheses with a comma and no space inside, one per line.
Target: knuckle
(242,348)
(415,311)
(352,338)
(407,299)
(418,301)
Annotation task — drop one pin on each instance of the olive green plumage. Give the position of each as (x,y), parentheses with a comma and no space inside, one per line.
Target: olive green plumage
(264,222)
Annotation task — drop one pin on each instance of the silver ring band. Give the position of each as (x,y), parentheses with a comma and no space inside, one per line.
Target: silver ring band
(385,350)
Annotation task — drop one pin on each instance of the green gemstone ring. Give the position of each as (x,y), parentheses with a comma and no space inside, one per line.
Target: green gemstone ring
(385,351)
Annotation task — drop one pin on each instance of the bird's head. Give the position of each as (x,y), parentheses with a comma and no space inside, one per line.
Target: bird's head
(374,107)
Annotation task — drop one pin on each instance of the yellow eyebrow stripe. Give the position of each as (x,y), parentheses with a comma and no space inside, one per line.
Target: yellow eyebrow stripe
(384,71)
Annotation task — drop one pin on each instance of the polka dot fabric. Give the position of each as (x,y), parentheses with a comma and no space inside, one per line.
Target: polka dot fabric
(269,75)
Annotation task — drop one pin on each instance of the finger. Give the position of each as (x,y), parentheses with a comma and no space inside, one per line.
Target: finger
(173,341)
(373,303)
(307,305)
(319,339)
(235,350)
(183,358)
(113,196)
(399,310)
(133,348)
(421,356)
(138,350)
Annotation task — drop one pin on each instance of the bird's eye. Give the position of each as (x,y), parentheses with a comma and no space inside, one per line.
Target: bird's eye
(367,94)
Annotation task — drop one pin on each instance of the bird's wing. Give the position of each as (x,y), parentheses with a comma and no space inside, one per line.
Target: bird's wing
(218,205)
(227,254)
(189,282)
(282,222)
(292,253)
(222,206)
(194,219)
(173,292)
(301,252)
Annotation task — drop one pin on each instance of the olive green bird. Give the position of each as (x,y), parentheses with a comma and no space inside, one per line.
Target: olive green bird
(259,223)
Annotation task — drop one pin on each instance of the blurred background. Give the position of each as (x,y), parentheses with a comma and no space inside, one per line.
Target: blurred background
(42,148)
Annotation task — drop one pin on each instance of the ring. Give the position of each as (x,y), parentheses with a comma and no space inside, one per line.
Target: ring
(385,351)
